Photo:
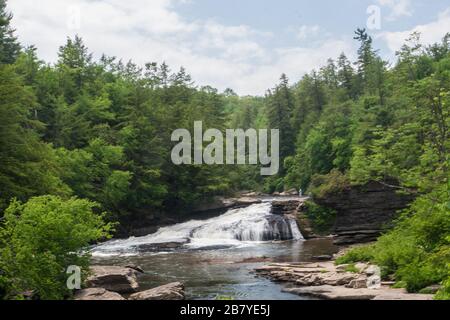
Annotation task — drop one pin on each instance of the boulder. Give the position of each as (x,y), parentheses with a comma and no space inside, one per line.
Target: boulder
(246,201)
(361,266)
(360,283)
(291,192)
(372,270)
(433,289)
(171,291)
(97,294)
(112,278)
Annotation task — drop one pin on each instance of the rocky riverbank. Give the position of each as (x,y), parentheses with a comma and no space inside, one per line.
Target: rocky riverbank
(325,280)
(121,283)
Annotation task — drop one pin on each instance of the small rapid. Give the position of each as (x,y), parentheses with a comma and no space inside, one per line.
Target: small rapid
(236,228)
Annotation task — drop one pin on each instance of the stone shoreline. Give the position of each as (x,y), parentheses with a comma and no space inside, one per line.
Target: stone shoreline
(324,280)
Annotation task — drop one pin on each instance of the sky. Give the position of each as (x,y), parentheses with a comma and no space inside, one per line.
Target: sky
(244,45)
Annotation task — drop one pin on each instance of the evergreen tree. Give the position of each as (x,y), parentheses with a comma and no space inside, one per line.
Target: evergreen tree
(279,112)
(9,47)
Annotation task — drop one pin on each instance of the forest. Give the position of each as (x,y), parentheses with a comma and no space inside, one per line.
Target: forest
(85,149)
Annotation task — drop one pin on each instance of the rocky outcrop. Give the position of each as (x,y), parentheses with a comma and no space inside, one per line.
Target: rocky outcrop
(149,222)
(164,246)
(96,294)
(288,193)
(293,208)
(326,281)
(171,291)
(220,204)
(283,207)
(112,278)
(363,212)
(310,274)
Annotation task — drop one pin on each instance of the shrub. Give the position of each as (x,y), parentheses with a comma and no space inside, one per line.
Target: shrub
(359,254)
(322,218)
(352,268)
(444,293)
(41,238)
(323,185)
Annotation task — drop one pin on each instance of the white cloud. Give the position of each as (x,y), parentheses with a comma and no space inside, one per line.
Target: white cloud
(235,56)
(398,8)
(305,32)
(430,33)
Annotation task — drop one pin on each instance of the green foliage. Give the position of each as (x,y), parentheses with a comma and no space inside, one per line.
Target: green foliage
(40,239)
(9,47)
(27,165)
(323,185)
(417,250)
(101,130)
(322,218)
(358,254)
(352,269)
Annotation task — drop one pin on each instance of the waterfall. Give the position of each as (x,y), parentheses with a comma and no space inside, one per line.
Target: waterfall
(237,227)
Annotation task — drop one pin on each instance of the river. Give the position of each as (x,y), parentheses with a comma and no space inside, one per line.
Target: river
(215,257)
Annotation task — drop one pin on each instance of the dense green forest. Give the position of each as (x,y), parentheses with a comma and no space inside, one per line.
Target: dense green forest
(85,148)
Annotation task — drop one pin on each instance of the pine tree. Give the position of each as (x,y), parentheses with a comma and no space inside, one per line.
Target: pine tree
(280,108)
(9,47)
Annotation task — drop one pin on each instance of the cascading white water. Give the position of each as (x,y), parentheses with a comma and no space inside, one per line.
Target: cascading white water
(237,227)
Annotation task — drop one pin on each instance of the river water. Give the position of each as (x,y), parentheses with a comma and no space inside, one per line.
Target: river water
(216,257)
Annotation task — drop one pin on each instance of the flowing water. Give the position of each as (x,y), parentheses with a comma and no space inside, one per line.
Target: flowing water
(215,257)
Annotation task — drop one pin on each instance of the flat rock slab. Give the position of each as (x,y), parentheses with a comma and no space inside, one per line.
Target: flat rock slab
(334,293)
(326,281)
(389,295)
(341,293)
(171,291)
(112,278)
(96,294)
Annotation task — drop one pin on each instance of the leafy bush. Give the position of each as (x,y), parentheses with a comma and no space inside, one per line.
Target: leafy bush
(359,254)
(40,239)
(323,185)
(322,218)
(444,293)
(352,268)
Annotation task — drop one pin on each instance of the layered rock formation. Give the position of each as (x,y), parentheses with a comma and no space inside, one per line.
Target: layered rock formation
(326,281)
(363,212)
(293,208)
